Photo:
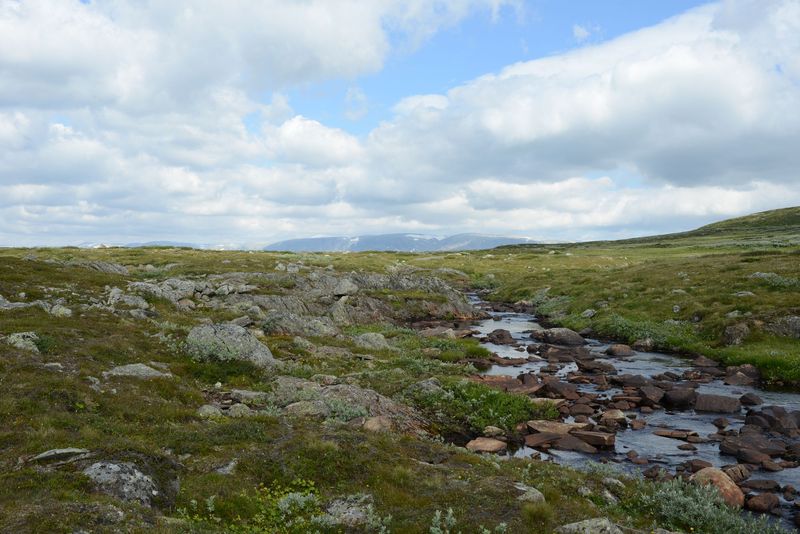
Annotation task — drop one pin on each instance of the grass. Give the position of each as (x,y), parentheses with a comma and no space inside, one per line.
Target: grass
(634,287)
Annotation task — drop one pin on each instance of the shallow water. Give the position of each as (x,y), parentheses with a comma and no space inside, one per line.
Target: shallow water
(658,450)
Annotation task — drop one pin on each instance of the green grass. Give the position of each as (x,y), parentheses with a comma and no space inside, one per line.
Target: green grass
(633,286)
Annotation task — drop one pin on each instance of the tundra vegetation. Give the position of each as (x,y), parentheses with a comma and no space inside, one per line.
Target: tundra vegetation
(324,410)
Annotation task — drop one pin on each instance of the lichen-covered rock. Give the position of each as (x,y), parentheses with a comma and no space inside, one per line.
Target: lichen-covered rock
(24,341)
(228,342)
(135,370)
(122,480)
(372,341)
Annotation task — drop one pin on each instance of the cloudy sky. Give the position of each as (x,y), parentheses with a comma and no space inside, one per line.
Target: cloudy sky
(251,121)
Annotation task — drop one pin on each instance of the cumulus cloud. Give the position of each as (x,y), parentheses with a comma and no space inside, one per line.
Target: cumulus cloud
(130,121)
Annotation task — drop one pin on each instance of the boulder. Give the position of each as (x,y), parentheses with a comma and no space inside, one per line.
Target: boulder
(750,399)
(490,445)
(562,336)
(24,341)
(679,398)
(728,489)
(716,404)
(763,503)
(135,370)
(619,350)
(500,337)
(569,442)
(122,480)
(227,342)
(651,394)
(736,334)
(372,341)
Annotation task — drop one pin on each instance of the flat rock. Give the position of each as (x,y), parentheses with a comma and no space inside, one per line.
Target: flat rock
(716,403)
(596,439)
(136,370)
(490,445)
(555,427)
(54,455)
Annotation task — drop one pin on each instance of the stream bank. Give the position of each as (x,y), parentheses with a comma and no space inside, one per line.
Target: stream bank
(653,414)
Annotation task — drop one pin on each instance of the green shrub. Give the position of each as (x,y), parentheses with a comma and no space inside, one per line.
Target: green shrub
(466,405)
(690,507)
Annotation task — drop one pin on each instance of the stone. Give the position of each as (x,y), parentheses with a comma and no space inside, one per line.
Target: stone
(540,439)
(716,403)
(372,341)
(596,439)
(24,341)
(60,311)
(379,423)
(750,399)
(500,337)
(619,350)
(493,432)
(679,398)
(489,445)
(308,408)
(598,525)
(135,370)
(737,473)
(240,410)
(208,411)
(568,442)
(562,336)
(736,334)
(728,489)
(226,342)
(58,455)
(555,427)
(122,480)
(651,394)
(614,416)
(702,361)
(530,494)
(763,503)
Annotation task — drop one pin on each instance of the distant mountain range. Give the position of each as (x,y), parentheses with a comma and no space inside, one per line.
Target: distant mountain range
(396,242)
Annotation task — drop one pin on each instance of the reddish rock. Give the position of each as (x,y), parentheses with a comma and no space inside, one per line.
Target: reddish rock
(717,404)
(536,441)
(619,350)
(571,443)
(763,503)
(596,439)
(486,445)
(729,491)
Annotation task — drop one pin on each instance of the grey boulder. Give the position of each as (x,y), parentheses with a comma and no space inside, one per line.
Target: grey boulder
(228,342)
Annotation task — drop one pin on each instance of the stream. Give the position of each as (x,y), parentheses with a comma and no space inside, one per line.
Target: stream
(660,451)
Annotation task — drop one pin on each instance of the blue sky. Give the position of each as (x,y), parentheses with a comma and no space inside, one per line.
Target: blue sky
(247,122)
(478,45)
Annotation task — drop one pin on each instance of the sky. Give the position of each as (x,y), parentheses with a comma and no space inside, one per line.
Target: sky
(246,122)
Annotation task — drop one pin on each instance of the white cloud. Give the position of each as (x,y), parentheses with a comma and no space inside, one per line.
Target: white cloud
(580,33)
(124,121)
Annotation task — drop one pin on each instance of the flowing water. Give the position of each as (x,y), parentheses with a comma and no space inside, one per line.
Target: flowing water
(658,450)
